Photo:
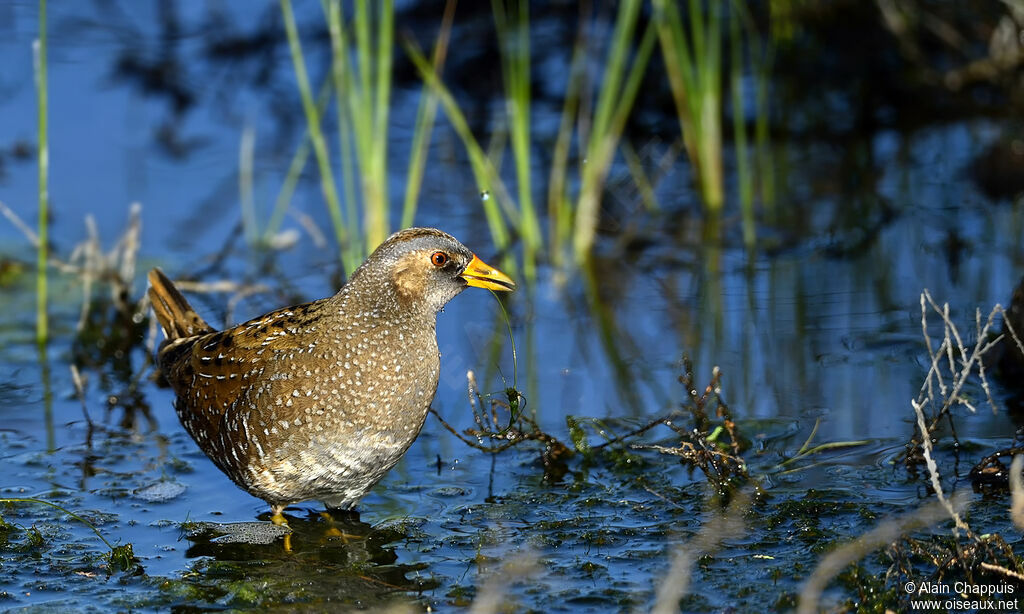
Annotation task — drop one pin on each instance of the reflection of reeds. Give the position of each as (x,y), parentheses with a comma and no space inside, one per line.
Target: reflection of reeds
(39,49)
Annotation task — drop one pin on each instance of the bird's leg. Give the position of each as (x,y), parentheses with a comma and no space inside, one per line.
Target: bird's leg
(278,515)
(279,519)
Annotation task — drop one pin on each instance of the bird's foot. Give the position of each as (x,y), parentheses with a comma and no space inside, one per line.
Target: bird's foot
(335,532)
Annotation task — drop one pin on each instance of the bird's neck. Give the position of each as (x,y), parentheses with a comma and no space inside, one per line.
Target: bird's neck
(373,297)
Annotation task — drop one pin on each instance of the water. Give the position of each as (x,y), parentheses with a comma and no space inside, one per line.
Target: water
(822,326)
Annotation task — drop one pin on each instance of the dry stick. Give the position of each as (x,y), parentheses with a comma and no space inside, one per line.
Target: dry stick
(666,420)
(128,246)
(889,531)
(1009,326)
(31,237)
(492,596)
(1006,572)
(238,291)
(677,581)
(933,470)
(979,349)
(950,394)
(89,252)
(76,379)
(19,224)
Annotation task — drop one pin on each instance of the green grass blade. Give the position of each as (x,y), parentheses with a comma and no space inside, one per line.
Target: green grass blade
(643,183)
(513,27)
(560,212)
(693,65)
(294,173)
(42,105)
(347,100)
(615,100)
(486,177)
(327,184)
(762,137)
(377,205)
(744,175)
(426,113)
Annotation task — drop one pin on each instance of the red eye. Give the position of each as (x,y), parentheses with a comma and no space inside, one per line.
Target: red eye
(439,259)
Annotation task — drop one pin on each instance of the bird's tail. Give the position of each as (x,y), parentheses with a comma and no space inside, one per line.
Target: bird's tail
(175,315)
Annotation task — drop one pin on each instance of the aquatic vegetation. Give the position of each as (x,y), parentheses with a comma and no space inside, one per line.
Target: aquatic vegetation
(573,217)
(119,558)
(712,444)
(594,119)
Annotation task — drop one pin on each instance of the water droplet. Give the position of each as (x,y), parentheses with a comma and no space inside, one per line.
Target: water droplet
(485,195)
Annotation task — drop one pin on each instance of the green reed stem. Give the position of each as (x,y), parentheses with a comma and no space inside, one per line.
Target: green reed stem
(346,91)
(643,183)
(765,168)
(42,253)
(377,222)
(744,174)
(693,60)
(327,184)
(426,113)
(73,515)
(513,26)
(486,177)
(618,91)
(294,173)
(363,92)
(560,208)
(369,109)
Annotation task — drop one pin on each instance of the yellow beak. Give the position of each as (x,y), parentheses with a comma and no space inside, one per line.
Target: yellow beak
(481,275)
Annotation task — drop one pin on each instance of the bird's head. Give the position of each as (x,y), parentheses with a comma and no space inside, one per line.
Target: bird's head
(426,268)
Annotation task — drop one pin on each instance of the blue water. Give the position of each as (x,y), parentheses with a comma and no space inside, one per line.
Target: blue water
(824,327)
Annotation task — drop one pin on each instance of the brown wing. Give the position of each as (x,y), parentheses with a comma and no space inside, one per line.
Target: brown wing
(219,378)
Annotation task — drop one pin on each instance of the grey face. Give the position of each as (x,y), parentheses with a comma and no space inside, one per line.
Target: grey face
(423,266)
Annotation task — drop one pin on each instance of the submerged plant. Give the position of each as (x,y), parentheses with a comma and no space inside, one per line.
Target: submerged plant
(119,558)
(713,444)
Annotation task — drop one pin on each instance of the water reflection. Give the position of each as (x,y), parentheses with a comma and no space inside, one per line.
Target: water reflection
(874,201)
(336,559)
